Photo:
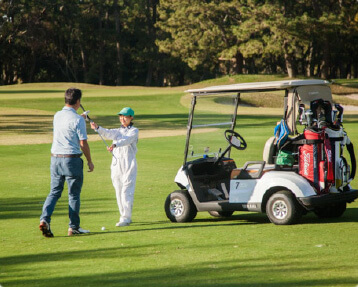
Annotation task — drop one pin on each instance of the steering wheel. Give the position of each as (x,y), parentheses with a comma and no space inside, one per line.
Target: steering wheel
(235,140)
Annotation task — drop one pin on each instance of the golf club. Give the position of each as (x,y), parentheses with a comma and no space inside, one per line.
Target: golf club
(308,114)
(91,121)
(302,116)
(340,113)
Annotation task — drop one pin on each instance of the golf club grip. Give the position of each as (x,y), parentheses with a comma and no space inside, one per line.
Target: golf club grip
(84,111)
(97,131)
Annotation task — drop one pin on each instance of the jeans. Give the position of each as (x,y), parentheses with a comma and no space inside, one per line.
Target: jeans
(71,170)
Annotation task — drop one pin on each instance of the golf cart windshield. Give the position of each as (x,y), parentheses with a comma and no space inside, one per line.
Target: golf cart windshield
(214,109)
(211,117)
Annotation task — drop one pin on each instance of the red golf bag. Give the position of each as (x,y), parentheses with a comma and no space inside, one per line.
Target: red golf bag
(315,160)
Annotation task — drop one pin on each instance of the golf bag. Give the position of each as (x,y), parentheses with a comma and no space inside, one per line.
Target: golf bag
(320,151)
(342,171)
(315,160)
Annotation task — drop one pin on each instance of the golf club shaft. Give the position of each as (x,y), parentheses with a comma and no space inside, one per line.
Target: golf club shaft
(92,122)
(103,139)
(100,135)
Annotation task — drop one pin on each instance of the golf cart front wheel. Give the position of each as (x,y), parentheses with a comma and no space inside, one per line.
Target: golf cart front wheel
(282,208)
(179,207)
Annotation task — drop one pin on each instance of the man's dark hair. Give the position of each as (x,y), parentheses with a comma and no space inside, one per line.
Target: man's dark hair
(72,95)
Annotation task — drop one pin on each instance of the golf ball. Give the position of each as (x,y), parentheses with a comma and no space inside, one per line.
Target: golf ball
(103,228)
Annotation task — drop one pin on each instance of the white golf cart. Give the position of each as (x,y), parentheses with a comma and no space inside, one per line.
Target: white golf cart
(300,171)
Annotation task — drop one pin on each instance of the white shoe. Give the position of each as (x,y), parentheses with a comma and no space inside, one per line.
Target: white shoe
(123,223)
(76,231)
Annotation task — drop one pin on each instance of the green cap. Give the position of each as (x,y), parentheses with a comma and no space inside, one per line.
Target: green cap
(126,112)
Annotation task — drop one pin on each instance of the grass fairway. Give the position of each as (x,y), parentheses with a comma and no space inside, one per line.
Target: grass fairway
(245,250)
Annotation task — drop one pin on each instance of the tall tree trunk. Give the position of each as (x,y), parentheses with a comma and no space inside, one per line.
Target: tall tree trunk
(101,47)
(290,66)
(84,60)
(1,74)
(325,61)
(349,70)
(290,61)
(84,64)
(9,74)
(239,65)
(119,54)
(151,20)
(310,62)
(149,77)
(72,65)
(32,67)
(342,70)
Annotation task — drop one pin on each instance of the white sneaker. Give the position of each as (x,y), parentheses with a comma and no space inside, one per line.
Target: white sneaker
(123,223)
(76,231)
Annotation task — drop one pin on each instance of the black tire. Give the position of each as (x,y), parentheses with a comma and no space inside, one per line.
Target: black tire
(179,207)
(221,213)
(332,211)
(282,208)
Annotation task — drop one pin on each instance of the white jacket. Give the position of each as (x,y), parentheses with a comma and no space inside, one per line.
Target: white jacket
(125,151)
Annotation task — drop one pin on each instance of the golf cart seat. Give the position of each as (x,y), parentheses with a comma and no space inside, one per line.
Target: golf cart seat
(251,170)
(270,150)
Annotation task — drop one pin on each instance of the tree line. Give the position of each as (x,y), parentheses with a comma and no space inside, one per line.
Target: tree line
(175,42)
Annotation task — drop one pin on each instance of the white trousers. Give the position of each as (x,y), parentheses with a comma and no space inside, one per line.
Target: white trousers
(124,185)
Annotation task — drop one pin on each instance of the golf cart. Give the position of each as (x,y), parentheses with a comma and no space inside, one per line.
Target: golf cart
(300,171)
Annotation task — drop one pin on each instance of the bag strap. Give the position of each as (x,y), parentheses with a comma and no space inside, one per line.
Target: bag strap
(338,139)
(350,149)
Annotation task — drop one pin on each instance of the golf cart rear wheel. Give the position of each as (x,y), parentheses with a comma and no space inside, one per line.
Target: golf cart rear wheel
(282,208)
(221,213)
(332,211)
(179,207)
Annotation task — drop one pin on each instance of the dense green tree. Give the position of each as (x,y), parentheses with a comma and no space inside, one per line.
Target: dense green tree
(12,46)
(200,32)
(170,42)
(264,34)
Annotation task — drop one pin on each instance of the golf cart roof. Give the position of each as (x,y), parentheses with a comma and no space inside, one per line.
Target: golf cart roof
(257,86)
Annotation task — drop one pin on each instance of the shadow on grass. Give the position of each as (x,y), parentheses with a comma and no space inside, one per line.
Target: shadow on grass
(30,91)
(70,255)
(16,208)
(43,269)
(350,215)
(26,124)
(255,271)
(172,226)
